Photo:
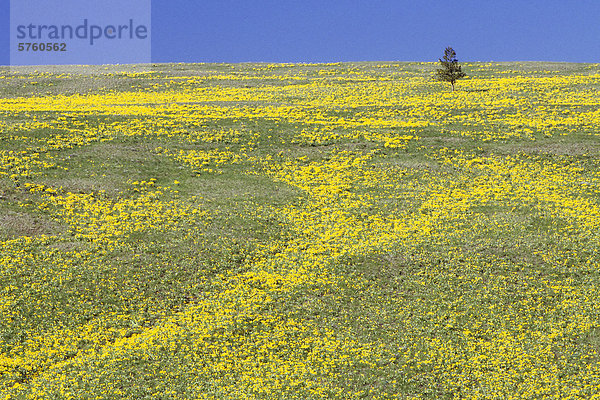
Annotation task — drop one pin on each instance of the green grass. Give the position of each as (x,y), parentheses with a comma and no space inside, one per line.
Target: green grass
(508,275)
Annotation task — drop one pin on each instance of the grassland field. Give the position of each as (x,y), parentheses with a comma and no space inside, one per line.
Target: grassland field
(300,231)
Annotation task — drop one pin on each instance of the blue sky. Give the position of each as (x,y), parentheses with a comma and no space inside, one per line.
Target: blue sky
(387,30)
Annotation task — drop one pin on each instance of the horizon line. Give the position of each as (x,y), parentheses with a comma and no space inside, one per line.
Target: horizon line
(290,62)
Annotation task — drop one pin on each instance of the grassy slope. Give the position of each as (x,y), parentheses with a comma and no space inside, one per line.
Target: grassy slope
(300,231)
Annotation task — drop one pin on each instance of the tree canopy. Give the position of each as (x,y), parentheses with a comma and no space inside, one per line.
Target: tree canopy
(451,70)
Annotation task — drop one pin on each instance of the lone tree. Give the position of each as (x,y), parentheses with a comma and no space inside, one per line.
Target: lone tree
(451,70)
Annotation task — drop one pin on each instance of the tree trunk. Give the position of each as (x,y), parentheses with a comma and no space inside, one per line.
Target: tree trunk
(452,83)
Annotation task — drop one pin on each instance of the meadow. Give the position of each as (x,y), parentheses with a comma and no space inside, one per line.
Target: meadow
(300,231)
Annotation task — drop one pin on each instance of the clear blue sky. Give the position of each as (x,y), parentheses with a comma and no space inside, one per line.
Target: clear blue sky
(387,30)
